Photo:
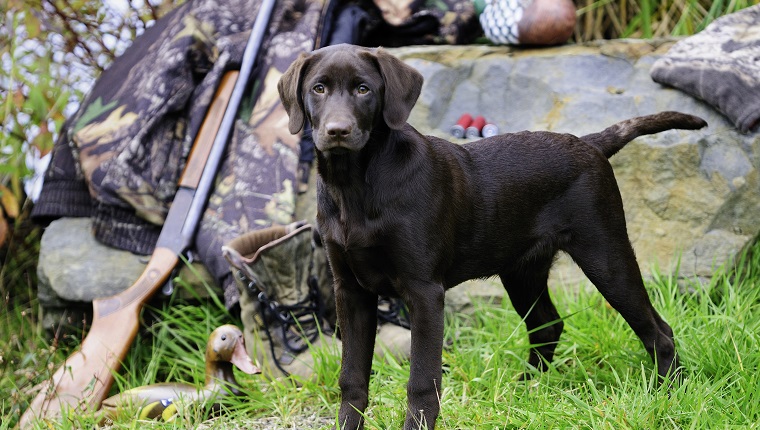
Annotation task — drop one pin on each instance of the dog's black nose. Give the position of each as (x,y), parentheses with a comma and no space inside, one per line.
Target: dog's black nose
(338,128)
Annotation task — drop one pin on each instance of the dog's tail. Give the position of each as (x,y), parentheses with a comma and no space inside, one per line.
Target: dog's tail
(613,138)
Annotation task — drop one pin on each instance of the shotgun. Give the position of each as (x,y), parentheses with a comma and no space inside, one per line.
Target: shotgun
(82,382)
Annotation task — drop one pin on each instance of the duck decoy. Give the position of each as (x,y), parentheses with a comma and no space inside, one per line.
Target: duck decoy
(225,348)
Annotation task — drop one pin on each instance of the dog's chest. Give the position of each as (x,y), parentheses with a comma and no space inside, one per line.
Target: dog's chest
(349,231)
(363,254)
(348,218)
(360,240)
(373,269)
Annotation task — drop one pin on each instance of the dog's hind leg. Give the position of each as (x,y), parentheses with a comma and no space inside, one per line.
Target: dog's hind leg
(528,291)
(602,250)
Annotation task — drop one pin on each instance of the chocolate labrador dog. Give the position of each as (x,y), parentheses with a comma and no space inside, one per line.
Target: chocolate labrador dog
(407,215)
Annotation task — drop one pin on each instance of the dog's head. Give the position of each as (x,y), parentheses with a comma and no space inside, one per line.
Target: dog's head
(345,92)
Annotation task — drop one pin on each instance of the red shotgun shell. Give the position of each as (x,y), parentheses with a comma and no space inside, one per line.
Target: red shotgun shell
(459,128)
(474,129)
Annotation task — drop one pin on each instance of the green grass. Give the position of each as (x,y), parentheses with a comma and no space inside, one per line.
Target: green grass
(611,19)
(601,377)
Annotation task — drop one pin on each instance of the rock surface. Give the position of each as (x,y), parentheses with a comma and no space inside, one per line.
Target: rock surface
(74,269)
(690,196)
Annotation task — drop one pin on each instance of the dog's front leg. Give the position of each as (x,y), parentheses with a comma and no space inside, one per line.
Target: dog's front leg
(425,303)
(357,321)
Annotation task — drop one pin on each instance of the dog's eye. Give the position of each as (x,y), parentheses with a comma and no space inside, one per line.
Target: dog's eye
(319,89)
(363,89)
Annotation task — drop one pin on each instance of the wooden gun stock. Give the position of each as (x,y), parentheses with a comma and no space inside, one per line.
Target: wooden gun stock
(83,380)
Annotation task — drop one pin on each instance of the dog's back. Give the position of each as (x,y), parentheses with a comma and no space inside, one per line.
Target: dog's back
(519,202)
(532,185)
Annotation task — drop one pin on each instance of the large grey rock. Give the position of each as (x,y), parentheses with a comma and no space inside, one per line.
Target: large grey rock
(691,197)
(74,269)
(73,266)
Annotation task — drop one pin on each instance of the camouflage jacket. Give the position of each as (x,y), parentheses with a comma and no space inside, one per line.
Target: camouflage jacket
(119,158)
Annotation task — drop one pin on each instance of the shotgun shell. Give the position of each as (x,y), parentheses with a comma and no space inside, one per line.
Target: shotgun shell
(490,130)
(474,129)
(458,129)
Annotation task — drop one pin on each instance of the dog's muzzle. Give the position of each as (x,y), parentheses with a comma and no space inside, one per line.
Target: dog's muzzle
(338,150)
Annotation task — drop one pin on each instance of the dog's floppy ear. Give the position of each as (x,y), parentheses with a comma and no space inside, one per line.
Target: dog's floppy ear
(289,87)
(402,88)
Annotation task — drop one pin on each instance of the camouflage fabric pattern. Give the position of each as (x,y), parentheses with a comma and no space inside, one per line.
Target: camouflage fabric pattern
(256,185)
(122,153)
(273,267)
(720,66)
(423,22)
(131,136)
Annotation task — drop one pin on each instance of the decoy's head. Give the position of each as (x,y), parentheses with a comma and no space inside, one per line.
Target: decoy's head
(226,347)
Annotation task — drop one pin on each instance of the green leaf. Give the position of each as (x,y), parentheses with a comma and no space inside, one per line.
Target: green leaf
(37,103)
(32,25)
(646,19)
